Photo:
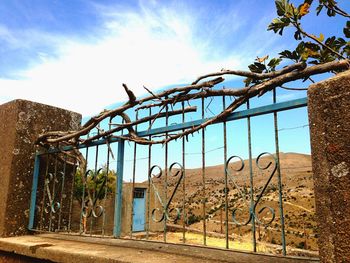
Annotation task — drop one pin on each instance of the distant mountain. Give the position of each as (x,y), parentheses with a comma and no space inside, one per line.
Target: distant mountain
(297,196)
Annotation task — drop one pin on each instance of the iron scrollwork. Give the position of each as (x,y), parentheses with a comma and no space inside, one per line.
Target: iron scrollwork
(93,190)
(165,214)
(254,203)
(52,205)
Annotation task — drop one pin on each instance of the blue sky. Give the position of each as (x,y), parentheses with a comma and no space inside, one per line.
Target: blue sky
(75,54)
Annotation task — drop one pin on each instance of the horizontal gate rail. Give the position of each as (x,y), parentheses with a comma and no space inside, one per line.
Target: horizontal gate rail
(276,107)
(282,106)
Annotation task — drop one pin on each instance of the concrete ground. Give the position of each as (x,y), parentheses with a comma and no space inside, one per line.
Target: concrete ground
(65,248)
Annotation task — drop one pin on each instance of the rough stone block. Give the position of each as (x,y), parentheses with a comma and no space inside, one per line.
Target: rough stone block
(329,117)
(20,124)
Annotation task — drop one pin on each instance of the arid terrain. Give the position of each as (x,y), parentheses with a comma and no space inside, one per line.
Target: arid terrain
(297,196)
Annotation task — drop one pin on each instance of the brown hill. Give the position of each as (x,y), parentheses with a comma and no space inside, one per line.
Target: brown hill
(297,196)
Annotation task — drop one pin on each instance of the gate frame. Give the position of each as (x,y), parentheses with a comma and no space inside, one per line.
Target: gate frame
(262,110)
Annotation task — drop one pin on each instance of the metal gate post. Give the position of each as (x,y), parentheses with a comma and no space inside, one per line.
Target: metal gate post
(33,194)
(119,190)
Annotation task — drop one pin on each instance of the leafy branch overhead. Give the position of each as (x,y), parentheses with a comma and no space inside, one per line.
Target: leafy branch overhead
(317,48)
(313,55)
(311,49)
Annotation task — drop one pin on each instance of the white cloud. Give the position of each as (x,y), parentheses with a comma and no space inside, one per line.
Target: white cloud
(6,35)
(286,97)
(151,48)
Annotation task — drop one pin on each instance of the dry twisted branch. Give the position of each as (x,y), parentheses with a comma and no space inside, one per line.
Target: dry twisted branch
(196,90)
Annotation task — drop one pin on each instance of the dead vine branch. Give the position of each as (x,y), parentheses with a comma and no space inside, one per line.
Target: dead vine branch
(175,95)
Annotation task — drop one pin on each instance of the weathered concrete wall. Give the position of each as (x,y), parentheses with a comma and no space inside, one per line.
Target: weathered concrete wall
(77,249)
(329,117)
(8,257)
(97,223)
(20,124)
(127,209)
(108,205)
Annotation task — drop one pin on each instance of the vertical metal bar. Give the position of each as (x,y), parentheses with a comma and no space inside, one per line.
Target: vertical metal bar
(82,225)
(44,192)
(183,179)
(221,228)
(133,181)
(74,171)
(33,193)
(53,190)
(149,182)
(166,172)
(203,181)
(283,237)
(109,148)
(62,190)
(251,180)
(226,181)
(94,192)
(119,191)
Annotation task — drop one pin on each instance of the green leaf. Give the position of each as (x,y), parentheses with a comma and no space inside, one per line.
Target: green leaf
(297,35)
(290,55)
(278,24)
(274,62)
(312,46)
(304,56)
(292,11)
(319,9)
(257,67)
(300,48)
(286,54)
(330,41)
(306,50)
(280,7)
(330,12)
(335,43)
(340,42)
(326,56)
(284,8)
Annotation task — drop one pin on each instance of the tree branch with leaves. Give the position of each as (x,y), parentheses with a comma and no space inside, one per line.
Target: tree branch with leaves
(313,55)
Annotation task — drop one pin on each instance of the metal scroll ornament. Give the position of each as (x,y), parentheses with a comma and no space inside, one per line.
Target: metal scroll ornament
(253,205)
(93,190)
(52,206)
(158,215)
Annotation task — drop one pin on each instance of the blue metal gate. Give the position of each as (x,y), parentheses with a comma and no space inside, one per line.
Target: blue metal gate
(55,206)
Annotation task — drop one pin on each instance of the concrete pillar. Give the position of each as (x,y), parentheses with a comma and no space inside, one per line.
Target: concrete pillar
(329,117)
(20,124)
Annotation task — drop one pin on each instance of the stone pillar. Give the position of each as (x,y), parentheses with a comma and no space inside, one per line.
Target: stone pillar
(329,118)
(20,124)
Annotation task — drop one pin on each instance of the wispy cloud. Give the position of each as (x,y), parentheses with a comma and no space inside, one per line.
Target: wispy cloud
(286,97)
(6,35)
(153,45)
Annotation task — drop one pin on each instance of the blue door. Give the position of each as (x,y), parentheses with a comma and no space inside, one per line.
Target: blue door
(139,210)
